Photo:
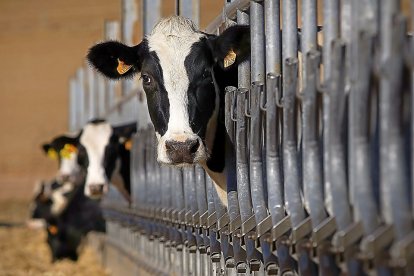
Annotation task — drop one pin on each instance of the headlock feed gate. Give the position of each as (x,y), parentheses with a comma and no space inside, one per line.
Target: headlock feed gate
(323,133)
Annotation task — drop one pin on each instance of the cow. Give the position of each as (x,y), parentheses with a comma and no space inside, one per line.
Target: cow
(67,215)
(64,149)
(104,156)
(183,72)
(50,199)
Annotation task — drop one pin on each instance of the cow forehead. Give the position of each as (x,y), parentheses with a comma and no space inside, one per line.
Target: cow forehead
(172,39)
(95,137)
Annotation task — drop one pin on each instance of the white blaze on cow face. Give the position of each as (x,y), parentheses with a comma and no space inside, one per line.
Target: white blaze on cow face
(69,168)
(171,40)
(95,137)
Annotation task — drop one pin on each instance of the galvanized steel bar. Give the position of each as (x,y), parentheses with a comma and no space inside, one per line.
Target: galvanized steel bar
(337,167)
(73,104)
(331,32)
(151,14)
(190,9)
(293,200)
(395,205)
(311,160)
(80,75)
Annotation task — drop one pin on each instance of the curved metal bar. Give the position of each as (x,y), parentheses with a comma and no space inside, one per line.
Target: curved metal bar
(293,199)
(338,194)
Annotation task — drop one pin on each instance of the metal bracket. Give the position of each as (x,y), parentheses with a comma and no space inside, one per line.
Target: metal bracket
(203,220)
(188,218)
(248,225)
(402,252)
(302,230)
(323,231)
(264,226)
(211,219)
(196,219)
(281,228)
(235,224)
(223,221)
(345,238)
(375,243)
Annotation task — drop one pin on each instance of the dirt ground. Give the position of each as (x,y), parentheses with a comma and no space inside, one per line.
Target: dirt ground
(24,251)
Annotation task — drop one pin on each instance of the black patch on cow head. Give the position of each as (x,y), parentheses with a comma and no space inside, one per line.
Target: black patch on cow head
(106,56)
(157,96)
(201,91)
(58,143)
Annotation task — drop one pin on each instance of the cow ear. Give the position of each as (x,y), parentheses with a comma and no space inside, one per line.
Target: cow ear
(46,147)
(116,60)
(232,47)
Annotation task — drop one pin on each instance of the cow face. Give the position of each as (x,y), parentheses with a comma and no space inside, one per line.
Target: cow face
(64,149)
(179,67)
(99,155)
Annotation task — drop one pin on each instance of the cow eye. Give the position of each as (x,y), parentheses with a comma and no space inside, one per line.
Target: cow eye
(146,80)
(206,74)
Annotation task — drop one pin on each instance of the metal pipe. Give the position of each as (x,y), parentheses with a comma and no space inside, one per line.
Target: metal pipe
(81,93)
(244,68)
(293,201)
(311,161)
(331,32)
(273,37)
(337,167)
(393,171)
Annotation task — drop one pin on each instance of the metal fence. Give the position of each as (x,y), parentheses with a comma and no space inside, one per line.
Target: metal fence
(324,148)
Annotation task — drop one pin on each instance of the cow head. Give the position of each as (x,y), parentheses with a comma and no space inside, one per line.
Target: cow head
(99,155)
(182,71)
(64,149)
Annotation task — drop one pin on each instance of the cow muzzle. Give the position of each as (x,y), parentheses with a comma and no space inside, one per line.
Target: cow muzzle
(97,190)
(182,152)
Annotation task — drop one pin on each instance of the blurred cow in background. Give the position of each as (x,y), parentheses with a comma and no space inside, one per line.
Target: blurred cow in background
(104,155)
(64,149)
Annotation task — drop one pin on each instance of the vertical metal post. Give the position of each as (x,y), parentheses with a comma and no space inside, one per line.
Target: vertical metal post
(81,95)
(190,9)
(393,175)
(91,88)
(293,199)
(151,14)
(331,32)
(73,104)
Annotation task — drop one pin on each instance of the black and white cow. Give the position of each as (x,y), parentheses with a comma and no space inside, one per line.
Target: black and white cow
(104,155)
(183,72)
(64,149)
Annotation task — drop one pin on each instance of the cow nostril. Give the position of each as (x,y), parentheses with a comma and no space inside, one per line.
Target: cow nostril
(194,145)
(169,146)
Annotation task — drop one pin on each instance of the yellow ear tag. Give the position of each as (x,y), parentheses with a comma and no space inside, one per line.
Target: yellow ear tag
(122,67)
(52,229)
(52,154)
(230,58)
(67,150)
(128,144)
